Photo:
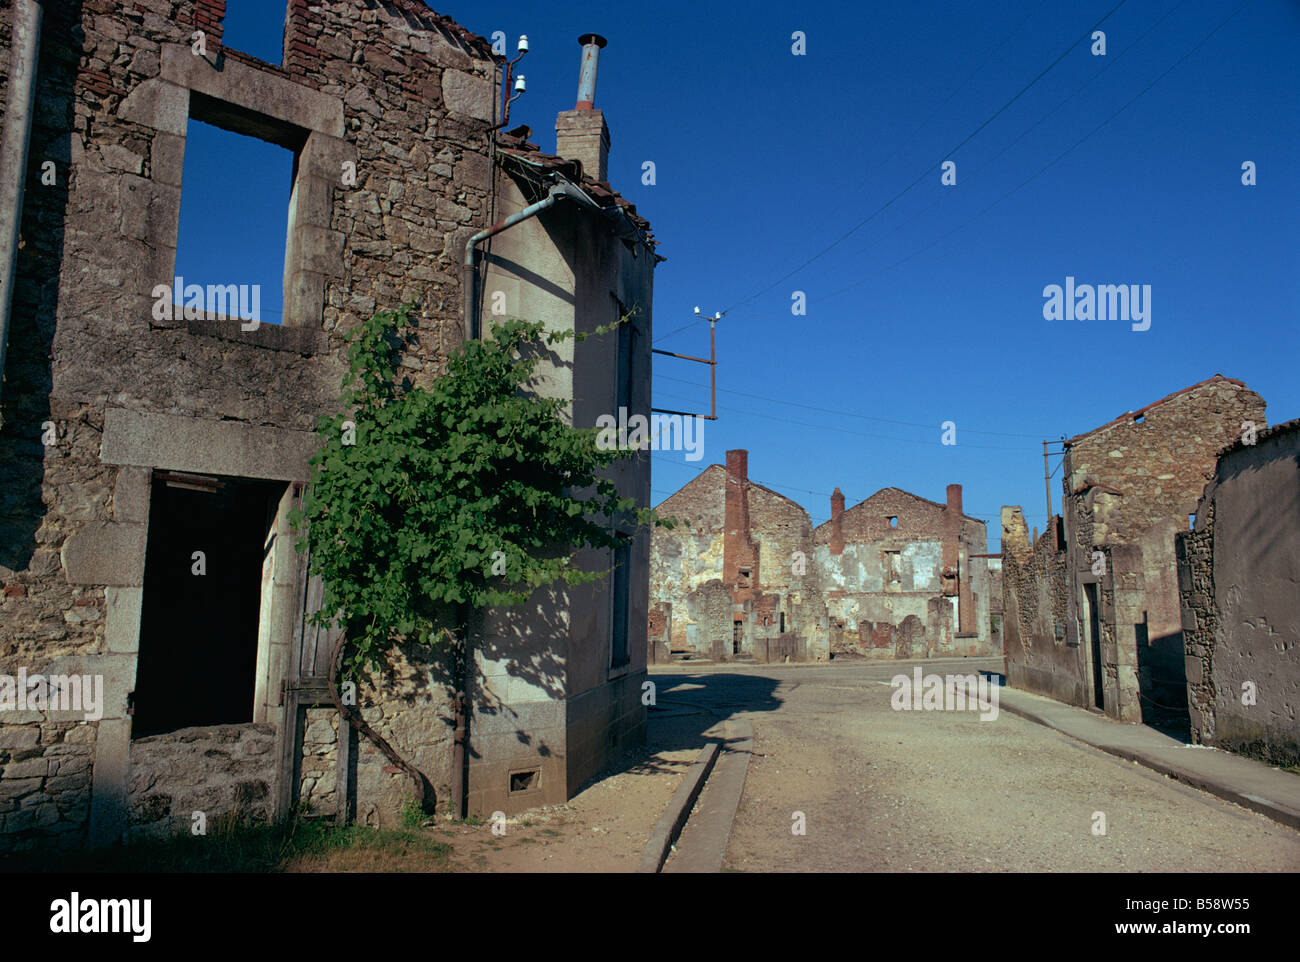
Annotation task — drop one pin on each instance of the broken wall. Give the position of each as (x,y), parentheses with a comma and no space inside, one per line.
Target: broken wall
(389,86)
(1238,573)
(1135,482)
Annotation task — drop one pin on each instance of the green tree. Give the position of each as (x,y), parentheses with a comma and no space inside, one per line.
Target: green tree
(435,502)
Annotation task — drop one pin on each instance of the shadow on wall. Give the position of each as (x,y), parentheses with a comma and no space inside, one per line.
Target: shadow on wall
(28,374)
(1162,684)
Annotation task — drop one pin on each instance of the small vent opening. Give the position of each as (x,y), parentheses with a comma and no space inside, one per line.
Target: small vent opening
(523,781)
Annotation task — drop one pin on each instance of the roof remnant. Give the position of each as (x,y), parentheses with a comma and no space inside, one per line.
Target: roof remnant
(429,19)
(514,143)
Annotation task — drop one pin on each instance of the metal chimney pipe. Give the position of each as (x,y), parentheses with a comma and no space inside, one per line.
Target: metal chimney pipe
(591,47)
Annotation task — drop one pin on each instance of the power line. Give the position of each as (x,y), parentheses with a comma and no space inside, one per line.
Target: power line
(1110,62)
(847,414)
(961,86)
(929,171)
(1061,156)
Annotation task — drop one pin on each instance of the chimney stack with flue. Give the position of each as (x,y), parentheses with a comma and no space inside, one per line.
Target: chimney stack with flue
(581,133)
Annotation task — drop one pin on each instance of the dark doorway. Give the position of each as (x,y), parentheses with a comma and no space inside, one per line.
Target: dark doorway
(737,633)
(1094,647)
(199,623)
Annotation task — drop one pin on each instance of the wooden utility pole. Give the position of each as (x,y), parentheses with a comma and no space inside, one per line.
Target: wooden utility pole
(1047,483)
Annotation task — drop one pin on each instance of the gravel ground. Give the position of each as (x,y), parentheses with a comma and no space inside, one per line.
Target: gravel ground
(936,791)
(605,827)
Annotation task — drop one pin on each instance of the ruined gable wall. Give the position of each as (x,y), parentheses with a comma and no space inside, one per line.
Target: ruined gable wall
(873,608)
(781,528)
(690,555)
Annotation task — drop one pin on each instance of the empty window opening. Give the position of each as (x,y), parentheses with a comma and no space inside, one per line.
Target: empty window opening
(783,622)
(622,597)
(524,781)
(202,598)
(893,522)
(1138,418)
(234,219)
(1191,522)
(890,559)
(744,577)
(255,27)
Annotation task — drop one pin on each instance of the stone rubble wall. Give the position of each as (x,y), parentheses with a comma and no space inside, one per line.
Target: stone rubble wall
(45,771)
(417,99)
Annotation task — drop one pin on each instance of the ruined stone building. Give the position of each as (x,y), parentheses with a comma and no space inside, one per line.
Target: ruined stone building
(1092,614)
(1239,583)
(133,439)
(904,577)
(734,580)
(745,576)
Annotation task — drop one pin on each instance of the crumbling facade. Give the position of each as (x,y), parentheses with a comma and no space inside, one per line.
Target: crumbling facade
(1238,573)
(1092,609)
(904,577)
(135,440)
(744,576)
(734,580)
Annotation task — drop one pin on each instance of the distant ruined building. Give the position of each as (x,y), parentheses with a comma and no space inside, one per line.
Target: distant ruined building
(733,580)
(744,577)
(905,576)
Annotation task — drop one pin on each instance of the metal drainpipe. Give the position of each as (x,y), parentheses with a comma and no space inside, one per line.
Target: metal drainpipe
(469,273)
(469,282)
(25,43)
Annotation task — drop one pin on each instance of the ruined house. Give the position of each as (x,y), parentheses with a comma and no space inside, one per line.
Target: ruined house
(133,438)
(904,577)
(734,580)
(1092,614)
(1238,570)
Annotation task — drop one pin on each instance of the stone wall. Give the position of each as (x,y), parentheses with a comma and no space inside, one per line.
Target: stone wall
(222,771)
(900,577)
(1034,586)
(1134,482)
(44,783)
(689,572)
(1238,571)
(390,86)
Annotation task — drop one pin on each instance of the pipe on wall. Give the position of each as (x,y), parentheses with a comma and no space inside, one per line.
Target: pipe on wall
(25,44)
(469,271)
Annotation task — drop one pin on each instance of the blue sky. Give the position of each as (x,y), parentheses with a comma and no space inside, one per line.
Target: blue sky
(931,310)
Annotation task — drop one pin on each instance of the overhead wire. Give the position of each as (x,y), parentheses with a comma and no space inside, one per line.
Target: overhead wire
(929,170)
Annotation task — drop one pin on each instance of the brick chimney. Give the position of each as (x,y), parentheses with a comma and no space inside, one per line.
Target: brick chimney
(738,550)
(957,561)
(580,133)
(837,524)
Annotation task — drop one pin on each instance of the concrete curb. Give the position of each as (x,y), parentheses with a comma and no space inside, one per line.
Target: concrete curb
(705,838)
(1274,810)
(679,808)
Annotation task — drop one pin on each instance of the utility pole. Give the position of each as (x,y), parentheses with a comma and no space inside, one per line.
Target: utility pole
(711,360)
(1047,483)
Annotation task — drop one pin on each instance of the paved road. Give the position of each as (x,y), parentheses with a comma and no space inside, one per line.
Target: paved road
(925,791)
